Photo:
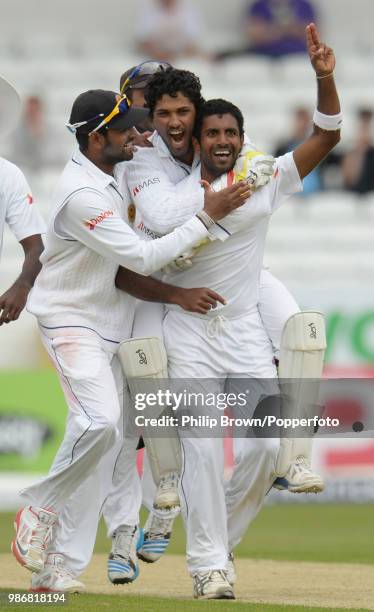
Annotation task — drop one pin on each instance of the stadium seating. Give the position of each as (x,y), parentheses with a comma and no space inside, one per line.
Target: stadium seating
(68,46)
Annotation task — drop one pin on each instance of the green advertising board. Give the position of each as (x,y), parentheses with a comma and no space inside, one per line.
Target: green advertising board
(32,420)
(350,337)
(33,410)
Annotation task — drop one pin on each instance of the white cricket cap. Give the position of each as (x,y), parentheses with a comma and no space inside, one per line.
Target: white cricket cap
(10,107)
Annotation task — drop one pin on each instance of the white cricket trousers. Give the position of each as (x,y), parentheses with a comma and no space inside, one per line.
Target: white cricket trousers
(245,494)
(76,531)
(216,348)
(276,305)
(75,538)
(114,488)
(92,382)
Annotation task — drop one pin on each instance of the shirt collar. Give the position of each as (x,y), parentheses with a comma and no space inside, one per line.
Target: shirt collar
(163,151)
(102,177)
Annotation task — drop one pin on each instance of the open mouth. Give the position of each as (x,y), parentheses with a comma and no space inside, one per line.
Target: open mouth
(222,154)
(176,136)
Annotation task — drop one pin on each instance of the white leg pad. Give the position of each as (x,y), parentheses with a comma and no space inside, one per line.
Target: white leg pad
(142,360)
(302,352)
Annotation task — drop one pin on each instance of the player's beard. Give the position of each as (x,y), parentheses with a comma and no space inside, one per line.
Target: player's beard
(212,169)
(114,155)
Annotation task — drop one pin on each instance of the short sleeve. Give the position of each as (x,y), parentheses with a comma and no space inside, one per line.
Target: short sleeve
(21,214)
(285,182)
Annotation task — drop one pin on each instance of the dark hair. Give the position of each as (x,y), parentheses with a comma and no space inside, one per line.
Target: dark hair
(129,94)
(83,138)
(82,141)
(170,83)
(218,107)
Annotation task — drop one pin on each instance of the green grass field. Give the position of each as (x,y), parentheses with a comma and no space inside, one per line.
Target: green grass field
(330,533)
(342,534)
(118,603)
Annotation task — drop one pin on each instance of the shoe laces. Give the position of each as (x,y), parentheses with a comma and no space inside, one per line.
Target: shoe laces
(57,566)
(40,536)
(212,576)
(123,541)
(302,462)
(159,527)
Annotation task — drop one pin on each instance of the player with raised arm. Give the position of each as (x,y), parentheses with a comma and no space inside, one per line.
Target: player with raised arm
(276,306)
(165,162)
(206,544)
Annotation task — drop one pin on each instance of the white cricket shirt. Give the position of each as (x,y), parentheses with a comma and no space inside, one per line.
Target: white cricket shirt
(17,209)
(88,237)
(153,177)
(232,267)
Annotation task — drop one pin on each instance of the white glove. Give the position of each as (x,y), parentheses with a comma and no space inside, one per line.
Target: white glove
(179,264)
(255,168)
(185,261)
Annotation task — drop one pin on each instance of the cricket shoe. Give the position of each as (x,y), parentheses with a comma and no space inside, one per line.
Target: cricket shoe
(300,478)
(122,561)
(212,584)
(157,532)
(231,570)
(33,527)
(167,496)
(55,577)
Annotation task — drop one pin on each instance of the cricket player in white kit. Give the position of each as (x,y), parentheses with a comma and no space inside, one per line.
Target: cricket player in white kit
(205,522)
(18,211)
(276,306)
(82,315)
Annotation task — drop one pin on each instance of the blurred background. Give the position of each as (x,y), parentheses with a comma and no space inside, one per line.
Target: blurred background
(253,54)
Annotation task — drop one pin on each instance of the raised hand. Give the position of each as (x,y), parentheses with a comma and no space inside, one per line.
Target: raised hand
(321,56)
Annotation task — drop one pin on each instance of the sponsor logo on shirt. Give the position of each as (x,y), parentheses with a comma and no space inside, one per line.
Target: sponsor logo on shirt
(91,224)
(144,185)
(30,199)
(143,228)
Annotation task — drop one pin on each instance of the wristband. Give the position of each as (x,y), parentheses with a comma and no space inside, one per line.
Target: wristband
(330,123)
(324,76)
(205,219)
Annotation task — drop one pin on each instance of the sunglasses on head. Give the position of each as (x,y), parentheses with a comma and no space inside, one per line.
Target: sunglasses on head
(122,106)
(146,69)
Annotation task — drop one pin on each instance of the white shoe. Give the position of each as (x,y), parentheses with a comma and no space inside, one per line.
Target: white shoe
(157,532)
(300,478)
(55,577)
(212,584)
(231,570)
(167,495)
(122,561)
(33,527)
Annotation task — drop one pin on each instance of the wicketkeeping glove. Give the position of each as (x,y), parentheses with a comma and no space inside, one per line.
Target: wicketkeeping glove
(254,167)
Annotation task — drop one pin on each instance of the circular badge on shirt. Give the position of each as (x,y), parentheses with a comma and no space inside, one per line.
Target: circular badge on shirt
(131,212)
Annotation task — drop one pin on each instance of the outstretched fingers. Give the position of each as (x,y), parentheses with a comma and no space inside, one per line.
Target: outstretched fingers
(314,34)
